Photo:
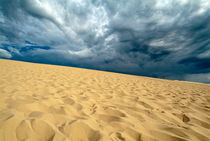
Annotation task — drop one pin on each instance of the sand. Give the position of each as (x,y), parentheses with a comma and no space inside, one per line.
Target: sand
(41,102)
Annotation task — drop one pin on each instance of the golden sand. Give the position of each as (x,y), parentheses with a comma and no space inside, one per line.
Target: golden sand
(41,102)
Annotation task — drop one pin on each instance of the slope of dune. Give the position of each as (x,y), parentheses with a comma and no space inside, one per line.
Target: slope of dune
(41,102)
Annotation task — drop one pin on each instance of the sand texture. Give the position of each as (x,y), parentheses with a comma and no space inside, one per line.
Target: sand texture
(41,102)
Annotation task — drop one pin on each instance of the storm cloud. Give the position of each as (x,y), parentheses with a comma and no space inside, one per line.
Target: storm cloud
(159,38)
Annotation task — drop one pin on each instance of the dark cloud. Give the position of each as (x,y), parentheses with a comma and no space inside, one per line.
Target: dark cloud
(198,64)
(159,38)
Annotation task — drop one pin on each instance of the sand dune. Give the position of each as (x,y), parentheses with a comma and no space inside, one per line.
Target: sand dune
(54,103)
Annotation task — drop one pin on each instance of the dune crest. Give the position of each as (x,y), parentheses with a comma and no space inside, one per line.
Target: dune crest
(41,102)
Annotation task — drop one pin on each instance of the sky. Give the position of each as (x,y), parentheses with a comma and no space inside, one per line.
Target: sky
(157,38)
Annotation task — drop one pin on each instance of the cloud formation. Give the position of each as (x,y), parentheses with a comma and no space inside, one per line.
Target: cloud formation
(159,38)
(5,54)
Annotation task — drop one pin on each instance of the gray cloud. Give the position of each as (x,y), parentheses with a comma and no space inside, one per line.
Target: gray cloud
(5,54)
(160,38)
(198,77)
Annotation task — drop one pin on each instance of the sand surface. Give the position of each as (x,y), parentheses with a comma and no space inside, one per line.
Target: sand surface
(41,102)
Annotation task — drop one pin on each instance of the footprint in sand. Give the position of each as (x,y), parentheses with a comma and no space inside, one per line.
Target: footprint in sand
(57,110)
(136,136)
(84,98)
(35,114)
(114,112)
(108,118)
(117,137)
(79,131)
(145,105)
(34,130)
(72,103)
(92,109)
(5,115)
(185,118)
(77,106)
(68,101)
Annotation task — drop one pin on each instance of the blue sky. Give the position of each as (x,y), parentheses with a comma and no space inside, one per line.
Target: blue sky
(159,38)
